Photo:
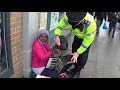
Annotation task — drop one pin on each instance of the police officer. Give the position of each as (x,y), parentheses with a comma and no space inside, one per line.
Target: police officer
(83,26)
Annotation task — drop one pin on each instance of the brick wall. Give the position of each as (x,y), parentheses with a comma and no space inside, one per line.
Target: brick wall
(16,25)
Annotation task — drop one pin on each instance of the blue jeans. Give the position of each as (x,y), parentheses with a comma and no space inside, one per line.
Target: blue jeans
(50,72)
(112,26)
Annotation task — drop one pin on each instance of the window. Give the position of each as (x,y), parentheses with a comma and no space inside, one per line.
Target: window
(6,68)
(61,15)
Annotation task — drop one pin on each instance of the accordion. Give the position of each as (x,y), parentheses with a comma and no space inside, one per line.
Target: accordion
(61,65)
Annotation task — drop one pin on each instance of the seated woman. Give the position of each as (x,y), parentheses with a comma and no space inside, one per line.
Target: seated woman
(41,52)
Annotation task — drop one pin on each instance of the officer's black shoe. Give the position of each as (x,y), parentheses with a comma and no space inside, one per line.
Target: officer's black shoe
(77,74)
(112,36)
(71,73)
(74,73)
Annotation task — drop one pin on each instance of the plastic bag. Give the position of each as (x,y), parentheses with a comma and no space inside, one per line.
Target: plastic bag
(105,26)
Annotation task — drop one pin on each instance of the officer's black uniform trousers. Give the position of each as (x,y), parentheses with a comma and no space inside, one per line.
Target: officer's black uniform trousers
(82,58)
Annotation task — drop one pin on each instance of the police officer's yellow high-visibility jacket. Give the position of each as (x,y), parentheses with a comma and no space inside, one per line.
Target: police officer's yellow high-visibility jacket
(87,34)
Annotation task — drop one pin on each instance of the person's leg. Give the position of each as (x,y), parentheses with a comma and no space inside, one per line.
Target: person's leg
(98,26)
(119,25)
(110,27)
(38,71)
(50,73)
(75,45)
(82,59)
(101,21)
(114,28)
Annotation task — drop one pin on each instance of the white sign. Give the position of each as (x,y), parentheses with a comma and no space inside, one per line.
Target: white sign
(54,20)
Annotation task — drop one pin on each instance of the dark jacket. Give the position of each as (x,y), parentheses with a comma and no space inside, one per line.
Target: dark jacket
(112,16)
(100,15)
(118,17)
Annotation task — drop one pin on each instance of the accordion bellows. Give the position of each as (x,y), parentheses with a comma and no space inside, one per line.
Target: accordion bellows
(60,64)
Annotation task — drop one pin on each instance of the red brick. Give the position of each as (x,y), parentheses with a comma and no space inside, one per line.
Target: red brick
(15,14)
(16,24)
(12,31)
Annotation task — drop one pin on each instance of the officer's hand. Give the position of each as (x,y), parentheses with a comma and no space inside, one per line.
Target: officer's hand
(75,56)
(53,47)
(57,40)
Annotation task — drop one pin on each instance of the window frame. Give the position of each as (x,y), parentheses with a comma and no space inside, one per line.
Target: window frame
(6,25)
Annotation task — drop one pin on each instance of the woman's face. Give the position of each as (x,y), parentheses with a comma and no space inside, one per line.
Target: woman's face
(43,38)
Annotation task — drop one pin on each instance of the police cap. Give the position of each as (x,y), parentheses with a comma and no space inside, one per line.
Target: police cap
(76,16)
